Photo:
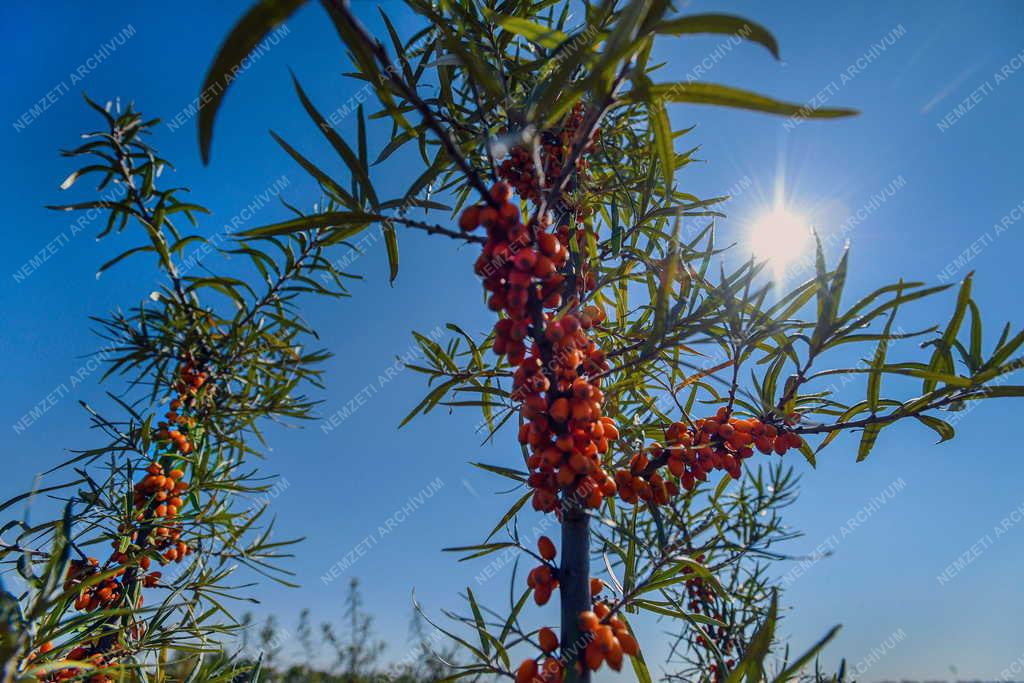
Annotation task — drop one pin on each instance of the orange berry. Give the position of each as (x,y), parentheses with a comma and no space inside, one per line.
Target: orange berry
(589,621)
(614,655)
(548,640)
(604,637)
(593,656)
(546,548)
(560,410)
(501,192)
(470,219)
(526,672)
(628,643)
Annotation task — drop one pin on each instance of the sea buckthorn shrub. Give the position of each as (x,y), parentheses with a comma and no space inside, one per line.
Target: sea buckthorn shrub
(162,514)
(641,365)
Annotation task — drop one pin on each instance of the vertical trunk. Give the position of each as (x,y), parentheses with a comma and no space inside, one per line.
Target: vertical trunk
(574,588)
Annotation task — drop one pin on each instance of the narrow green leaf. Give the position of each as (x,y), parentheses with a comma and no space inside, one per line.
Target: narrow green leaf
(867,440)
(328,183)
(725,24)
(252,28)
(391,244)
(725,96)
(795,669)
(662,131)
(941,427)
(481,628)
(878,363)
(331,219)
(355,166)
(509,514)
(544,36)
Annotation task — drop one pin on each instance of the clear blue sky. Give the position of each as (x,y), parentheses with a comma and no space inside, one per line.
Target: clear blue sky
(950,177)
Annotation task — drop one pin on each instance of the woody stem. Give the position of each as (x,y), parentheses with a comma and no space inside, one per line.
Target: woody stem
(574,584)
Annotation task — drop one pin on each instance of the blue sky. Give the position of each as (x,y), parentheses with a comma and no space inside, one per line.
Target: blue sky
(921,179)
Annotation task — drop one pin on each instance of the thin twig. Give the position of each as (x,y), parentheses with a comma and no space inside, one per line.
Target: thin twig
(344,11)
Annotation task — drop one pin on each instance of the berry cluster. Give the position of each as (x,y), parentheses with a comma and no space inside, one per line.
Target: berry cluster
(607,638)
(81,654)
(542,578)
(557,367)
(548,671)
(520,169)
(634,484)
(158,497)
(95,595)
(543,332)
(610,640)
(701,600)
(721,442)
(176,433)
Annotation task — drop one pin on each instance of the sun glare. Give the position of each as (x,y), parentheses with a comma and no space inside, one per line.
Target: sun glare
(779,236)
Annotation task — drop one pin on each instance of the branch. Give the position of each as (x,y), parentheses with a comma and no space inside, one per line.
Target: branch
(433,229)
(881,419)
(342,11)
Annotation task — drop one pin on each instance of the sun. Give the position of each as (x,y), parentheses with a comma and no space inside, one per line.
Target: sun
(779,236)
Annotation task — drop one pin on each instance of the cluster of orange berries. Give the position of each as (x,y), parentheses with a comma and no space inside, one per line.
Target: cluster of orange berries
(548,671)
(721,442)
(635,485)
(520,170)
(556,378)
(543,582)
(611,638)
(190,381)
(608,641)
(158,498)
(82,653)
(94,596)
(542,579)
(607,637)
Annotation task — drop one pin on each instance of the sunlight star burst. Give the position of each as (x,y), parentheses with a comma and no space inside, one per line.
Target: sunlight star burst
(779,237)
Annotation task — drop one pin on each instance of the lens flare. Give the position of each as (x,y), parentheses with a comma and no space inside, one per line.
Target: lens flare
(779,236)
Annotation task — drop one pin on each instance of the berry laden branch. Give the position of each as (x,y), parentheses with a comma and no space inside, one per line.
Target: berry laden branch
(157,500)
(543,333)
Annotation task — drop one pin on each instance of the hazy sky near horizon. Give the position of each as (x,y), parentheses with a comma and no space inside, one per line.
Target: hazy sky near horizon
(924,184)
